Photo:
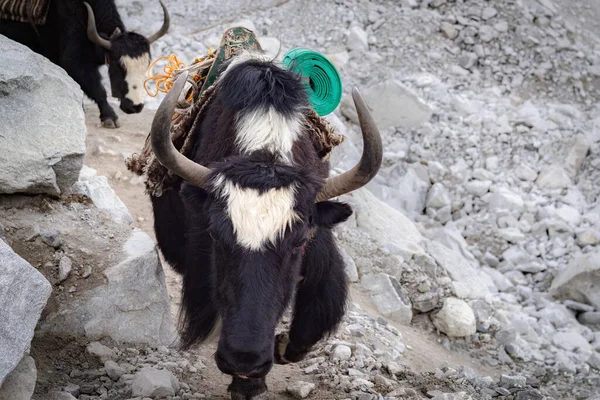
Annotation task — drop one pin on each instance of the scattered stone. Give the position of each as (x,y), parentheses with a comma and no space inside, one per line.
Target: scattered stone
(438,196)
(357,40)
(55,395)
(100,351)
(594,361)
(513,380)
(350,267)
(455,319)
(574,305)
(590,318)
(341,352)
(528,395)
(300,389)
(389,297)
(553,177)
(51,238)
(449,30)
(580,280)
(488,13)
(152,382)
(64,268)
(113,370)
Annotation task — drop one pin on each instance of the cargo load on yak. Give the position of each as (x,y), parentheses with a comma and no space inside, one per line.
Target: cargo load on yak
(199,91)
(31,11)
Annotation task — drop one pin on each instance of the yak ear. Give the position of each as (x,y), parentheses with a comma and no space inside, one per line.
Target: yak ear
(115,33)
(330,213)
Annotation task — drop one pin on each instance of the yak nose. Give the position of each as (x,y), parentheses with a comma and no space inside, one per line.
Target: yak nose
(247,364)
(129,108)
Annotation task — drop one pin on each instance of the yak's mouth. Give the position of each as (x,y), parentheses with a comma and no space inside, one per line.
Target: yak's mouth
(258,372)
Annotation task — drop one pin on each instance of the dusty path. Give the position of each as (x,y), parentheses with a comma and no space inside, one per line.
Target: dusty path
(107,150)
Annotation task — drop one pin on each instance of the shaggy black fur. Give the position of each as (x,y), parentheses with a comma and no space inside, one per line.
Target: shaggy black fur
(63,40)
(250,290)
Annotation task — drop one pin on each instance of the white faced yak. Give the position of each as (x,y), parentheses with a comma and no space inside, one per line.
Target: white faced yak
(81,36)
(250,223)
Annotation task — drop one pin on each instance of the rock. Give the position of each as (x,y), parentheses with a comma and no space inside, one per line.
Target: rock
(580,280)
(411,196)
(151,382)
(341,352)
(488,13)
(573,342)
(553,177)
(577,153)
(455,319)
(588,238)
(64,268)
(392,105)
(513,380)
(528,395)
(468,60)
(525,173)
(590,318)
(51,139)
(51,238)
(54,395)
(300,389)
(478,188)
(594,361)
(426,302)
(383,223)
(389,297)
(20,383)
(438,196)
(449,30)
(113,370)
(574,305)
(350,267)
(467,281)
(23,294)
(505,199)
(131,306)
(100,351)
(357,40)
(102,195)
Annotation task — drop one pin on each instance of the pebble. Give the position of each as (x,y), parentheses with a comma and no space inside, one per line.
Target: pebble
(341,352)
(300,389)
(64,268)
(51,238)
(100,351)
(449,30)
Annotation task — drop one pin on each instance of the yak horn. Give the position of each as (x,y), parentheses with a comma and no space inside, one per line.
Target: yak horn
(165,26)
(369,163)
(162,145)
(92,32)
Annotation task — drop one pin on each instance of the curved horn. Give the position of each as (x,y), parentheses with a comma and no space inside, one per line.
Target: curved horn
(92,32)
(165,26)
(162,146)
(369,163)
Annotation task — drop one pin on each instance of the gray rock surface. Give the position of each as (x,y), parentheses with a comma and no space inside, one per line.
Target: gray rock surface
(455,319)
(151,382)
(389,297)
(50,139)
(23,294)
(20,383)
(133,305)
(580,280)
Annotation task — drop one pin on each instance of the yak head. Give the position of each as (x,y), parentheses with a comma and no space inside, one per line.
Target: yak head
(259,214)
(128,57)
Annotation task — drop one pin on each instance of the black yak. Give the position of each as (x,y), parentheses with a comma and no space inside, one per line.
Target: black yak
(81,36)
(249,226)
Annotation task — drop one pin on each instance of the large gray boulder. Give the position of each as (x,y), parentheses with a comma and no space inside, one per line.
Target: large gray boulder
(42,124)
(131,307)
(580,281)
(23,295)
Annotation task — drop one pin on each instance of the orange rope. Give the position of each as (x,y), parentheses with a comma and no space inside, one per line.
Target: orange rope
(164,82)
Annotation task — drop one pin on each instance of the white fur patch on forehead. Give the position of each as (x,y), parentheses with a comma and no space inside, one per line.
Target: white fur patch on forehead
(135,69)
(266,129)
(258,218)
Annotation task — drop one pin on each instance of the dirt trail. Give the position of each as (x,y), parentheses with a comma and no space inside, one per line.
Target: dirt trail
(106,152)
